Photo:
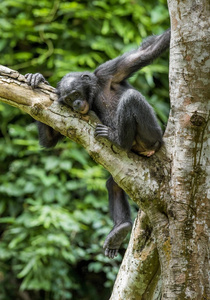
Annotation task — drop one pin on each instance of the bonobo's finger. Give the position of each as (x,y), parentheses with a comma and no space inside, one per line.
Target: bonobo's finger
(101,133)
(28,77)
(101,127)
(111,253)
(39,78)
(106,252)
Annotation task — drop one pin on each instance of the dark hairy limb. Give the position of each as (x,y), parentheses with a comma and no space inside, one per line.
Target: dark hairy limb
(120,213)
(135,119)
(48,137)
(124,66)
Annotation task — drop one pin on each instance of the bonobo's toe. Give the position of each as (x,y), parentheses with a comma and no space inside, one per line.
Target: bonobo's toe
(148,153)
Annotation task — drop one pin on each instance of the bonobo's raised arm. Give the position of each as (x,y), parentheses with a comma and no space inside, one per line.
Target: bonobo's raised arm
(124,66)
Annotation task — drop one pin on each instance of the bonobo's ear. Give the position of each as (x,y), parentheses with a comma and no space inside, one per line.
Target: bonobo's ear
(85,77)
(57,91)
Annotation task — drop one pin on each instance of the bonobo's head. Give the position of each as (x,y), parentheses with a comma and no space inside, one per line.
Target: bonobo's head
(77,90)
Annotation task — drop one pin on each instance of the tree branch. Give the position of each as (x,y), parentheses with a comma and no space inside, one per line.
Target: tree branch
(140,270)
(140,177)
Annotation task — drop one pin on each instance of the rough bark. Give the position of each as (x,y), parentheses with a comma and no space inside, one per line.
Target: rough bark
(181,227)
(186,250)
(168,256)
(139,274)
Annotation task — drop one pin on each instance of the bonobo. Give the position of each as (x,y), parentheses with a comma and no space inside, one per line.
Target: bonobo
(127,119)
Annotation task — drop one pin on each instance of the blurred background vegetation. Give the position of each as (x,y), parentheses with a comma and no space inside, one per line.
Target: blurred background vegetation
(53,203)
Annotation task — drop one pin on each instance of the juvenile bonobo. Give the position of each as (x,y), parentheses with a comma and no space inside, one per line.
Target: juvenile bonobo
(127,119)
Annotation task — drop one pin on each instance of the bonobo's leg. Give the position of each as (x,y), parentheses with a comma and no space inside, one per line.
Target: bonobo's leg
(137,122)
(120,213)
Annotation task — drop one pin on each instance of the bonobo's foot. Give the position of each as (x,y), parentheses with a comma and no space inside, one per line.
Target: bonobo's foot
(115,239)
(155,147)
(35,79)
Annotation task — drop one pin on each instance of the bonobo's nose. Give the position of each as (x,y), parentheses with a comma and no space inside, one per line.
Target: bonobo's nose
(77,104)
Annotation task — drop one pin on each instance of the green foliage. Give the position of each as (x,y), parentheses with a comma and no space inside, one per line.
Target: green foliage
(53,208)
(50,212)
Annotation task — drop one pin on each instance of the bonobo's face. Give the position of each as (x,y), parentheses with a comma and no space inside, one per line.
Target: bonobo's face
(76,100)
(73,90)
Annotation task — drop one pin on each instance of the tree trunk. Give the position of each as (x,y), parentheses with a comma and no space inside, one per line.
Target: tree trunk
(181,224)
(185,257)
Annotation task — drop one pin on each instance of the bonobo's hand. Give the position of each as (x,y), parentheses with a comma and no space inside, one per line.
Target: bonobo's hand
(102,131)
(35,79)
(107,133)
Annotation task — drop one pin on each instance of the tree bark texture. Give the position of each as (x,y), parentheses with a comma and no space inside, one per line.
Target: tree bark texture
(139,276)
(181,224)
(168,253)
(185,253)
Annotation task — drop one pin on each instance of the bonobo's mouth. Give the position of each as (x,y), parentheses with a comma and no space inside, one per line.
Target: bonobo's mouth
(84,109)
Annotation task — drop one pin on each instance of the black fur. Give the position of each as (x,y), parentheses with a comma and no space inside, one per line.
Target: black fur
(127,118)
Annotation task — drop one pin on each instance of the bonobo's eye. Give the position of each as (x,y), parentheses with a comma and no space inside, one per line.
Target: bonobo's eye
(72,96)
(75,95)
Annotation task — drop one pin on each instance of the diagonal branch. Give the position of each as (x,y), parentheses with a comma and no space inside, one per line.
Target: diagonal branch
(139,273)
(140,177)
